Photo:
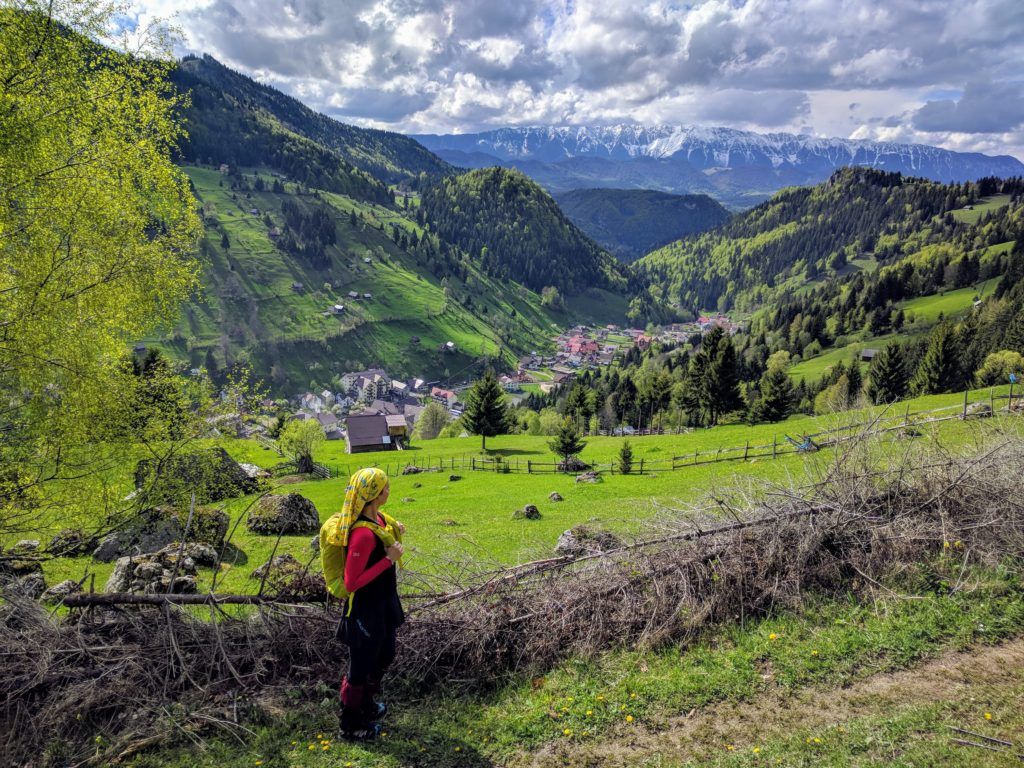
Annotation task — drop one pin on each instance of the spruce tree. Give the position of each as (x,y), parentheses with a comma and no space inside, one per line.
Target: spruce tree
(939,369)
(855,381)
(626,458)
(721,386)
(485,413)
(567,441)
(777,396)
(888,377)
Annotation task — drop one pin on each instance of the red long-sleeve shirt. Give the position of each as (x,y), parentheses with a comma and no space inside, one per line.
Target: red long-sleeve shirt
(360,546)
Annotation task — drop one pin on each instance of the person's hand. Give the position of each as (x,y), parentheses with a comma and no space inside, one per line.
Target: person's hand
(394,552)
(401,527)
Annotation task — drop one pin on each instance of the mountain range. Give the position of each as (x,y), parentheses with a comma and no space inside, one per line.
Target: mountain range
(739,168)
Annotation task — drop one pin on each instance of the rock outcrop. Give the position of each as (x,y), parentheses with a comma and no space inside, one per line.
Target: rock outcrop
(584,540)
(211,474)
(154,572)
(287,514)
(155,528)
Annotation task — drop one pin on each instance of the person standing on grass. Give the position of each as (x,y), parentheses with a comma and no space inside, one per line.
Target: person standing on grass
(359,548)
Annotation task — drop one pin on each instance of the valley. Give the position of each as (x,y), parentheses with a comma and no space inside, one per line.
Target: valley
(692,445)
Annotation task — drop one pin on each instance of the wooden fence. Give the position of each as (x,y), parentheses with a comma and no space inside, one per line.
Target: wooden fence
(780,446)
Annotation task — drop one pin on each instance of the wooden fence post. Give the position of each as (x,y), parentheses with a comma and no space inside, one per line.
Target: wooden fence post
(992,401)
(473,467)
(964,417)
(641,466)
(775,444)
(529,467)
(746,450)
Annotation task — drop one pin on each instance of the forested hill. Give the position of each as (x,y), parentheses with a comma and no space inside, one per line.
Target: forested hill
(233,119)
(632,222)
(858,218)
(515,230)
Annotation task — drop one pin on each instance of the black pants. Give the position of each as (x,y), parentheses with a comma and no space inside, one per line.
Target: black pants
(371,651)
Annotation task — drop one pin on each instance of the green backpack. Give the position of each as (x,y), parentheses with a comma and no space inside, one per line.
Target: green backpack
(332,556)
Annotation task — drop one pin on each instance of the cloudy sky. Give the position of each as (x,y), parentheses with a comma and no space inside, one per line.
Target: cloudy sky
(933,71)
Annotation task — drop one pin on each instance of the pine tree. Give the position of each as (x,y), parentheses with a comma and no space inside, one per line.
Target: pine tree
(855,382)
(888,377)
(777,396)
(579,404)
(939,369)
(626,458)
(720,391)
(568,441)
(485,413)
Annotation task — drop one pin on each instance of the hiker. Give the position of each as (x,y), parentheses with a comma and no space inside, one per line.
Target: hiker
(359,548)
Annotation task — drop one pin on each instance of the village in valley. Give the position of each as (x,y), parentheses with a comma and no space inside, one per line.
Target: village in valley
(373,411)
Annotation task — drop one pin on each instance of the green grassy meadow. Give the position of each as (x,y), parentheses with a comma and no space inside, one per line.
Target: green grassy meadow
(471,519)
(985,205)
(250,302)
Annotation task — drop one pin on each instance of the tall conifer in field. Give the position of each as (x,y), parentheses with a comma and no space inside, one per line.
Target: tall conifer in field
(721,387)
(939,369)
(568,441)
(888,377)
(485,413)
(777,396)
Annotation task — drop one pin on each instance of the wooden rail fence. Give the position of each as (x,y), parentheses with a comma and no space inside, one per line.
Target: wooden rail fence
(787,445)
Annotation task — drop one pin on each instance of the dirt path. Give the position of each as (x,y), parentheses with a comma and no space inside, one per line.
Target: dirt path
(950,676)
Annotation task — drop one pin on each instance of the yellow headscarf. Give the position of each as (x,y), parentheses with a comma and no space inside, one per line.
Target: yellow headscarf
(363,487)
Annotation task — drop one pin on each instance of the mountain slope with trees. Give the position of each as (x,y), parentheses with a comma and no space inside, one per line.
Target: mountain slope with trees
(632,222)
(230,111)
(807,234)
(514,230)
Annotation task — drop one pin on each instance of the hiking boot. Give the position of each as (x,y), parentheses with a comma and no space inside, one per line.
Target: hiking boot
(365,731)
(376,710)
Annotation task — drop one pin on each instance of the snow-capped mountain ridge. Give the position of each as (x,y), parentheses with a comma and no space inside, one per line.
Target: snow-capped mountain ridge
(708,147)
(737,167)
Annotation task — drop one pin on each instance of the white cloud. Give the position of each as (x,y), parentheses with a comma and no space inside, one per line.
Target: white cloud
(462,65)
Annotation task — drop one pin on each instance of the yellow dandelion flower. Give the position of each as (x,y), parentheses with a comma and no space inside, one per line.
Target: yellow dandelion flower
(565,709)
(294,743)
(773,636)
(458,749)
(945,545)
(590,712)
(567,732)
(383,734)
(632,695)
(807,740)
(569,698)
(325,747)
(348,764)
(319,735)
(814,653)
(600,697)
(629,718)
(311,746)
(324,741)
(756,750)
(729,747)
(988,715)
(258,762)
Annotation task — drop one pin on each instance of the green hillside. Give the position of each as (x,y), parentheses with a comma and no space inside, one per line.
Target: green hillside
(515,230)
(632,222)
(269,289)
(233,119)
(835,229)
